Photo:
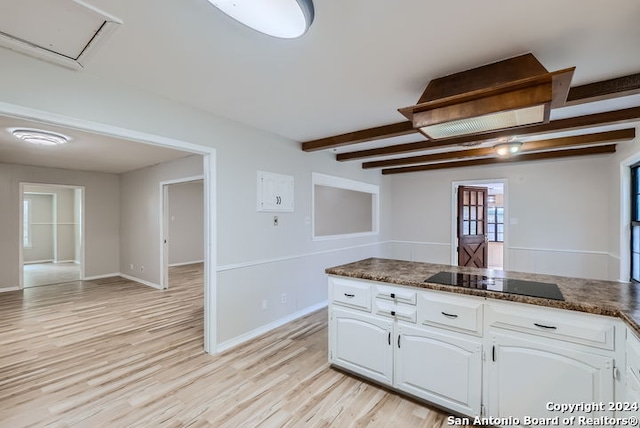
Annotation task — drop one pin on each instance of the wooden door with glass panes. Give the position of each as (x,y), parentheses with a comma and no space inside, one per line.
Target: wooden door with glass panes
(472,226)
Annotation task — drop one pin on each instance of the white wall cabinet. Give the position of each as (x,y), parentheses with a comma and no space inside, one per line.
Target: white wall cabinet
(275,192)
(481,357)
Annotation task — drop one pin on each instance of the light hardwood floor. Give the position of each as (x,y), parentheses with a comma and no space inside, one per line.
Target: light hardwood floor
(38,274)
(113,353)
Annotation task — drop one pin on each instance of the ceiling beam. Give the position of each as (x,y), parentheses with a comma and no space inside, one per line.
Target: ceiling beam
(571,123)
(611,148)
(371,134)
(553,143)
(606,89)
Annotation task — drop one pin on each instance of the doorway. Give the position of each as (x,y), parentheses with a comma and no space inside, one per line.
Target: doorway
(182,219)
(52,244)
(482,216)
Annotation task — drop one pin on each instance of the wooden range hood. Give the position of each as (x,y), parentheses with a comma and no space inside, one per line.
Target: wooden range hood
(507,94)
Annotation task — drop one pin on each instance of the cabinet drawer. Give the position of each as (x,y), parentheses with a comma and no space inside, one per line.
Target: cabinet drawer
(568,326)
(355,294)
(397,311)
(396,294)
(454,312)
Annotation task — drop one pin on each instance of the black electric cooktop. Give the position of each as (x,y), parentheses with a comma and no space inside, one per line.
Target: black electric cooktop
(504,285)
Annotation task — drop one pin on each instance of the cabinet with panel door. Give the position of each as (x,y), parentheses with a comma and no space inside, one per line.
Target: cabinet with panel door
(481,357)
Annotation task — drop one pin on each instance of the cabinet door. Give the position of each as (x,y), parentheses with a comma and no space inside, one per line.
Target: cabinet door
(527,372)
(633,387)
(441,367)
(361,343)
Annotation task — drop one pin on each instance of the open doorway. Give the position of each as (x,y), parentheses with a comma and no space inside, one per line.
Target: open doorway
(479,223)
(182,237)
(51,225)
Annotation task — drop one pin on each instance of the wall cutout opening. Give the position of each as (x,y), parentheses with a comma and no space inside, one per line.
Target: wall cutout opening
(344,208)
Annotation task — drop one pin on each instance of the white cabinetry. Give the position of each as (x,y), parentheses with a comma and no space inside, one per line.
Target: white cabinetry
(275,192)
(361,343)
(632,371)
(440,367)
(525,373)
(482,357)
(540,355)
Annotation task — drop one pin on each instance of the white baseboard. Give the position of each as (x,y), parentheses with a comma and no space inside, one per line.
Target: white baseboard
(2,290)
(33,262)
(268,327)
(185,263)
(65,261)
(106,275)
(141,281)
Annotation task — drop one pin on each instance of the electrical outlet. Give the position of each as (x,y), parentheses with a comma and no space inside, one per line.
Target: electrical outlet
(265,305)
(141,268)
(131,266)
(275,220)
(283,299)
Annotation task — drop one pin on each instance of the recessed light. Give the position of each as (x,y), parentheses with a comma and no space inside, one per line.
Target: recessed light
(286,19)
(36,136)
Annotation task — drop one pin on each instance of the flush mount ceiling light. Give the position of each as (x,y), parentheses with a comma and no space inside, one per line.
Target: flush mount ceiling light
(506,94)
(36,136)
(286,19)
(508,148)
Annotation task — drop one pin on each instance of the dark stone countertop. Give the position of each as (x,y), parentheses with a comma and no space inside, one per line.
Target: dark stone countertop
(609,298)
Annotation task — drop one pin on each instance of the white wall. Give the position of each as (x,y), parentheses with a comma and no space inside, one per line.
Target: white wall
(140,215)
(559,212)
(102,217)
(186,222)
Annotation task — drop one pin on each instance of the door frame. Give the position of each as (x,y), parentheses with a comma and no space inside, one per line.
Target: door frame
(21,187)
(209,171)
(454,214)
(164,225)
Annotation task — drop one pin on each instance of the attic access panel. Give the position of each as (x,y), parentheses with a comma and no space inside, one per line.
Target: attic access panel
(64,32)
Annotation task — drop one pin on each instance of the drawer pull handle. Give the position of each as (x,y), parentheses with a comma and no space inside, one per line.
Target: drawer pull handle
(393,313)
(449,315)
(548,327)
(389,338)
(349,295)
(393,295)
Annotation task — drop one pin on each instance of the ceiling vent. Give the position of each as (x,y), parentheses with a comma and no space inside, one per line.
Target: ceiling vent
(63,32)
(506,94)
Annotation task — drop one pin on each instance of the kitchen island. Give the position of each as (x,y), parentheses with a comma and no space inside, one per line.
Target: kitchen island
(484,353)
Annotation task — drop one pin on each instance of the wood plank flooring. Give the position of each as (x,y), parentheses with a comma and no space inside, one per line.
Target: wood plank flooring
(113,353)
(37,274)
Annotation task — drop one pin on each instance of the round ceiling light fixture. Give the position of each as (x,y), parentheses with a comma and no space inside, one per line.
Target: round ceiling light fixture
(36,136)
(508,148)
(285,19)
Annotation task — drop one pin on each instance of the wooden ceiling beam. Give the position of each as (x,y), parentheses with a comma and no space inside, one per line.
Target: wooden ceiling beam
(371,134)
(611,148)
(553,143)
(571,123)
(606,89)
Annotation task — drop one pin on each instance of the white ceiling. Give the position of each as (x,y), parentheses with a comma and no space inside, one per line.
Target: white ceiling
(360,61)
(84,151)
